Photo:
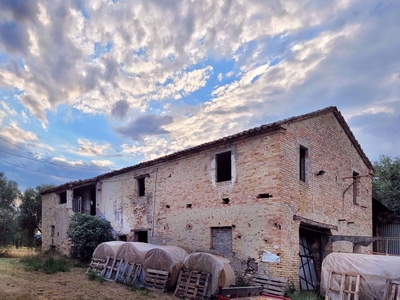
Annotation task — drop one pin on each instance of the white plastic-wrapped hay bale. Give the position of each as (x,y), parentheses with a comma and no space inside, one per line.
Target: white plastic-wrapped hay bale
(222,273)
(134,251)
(165,258)
(107,249)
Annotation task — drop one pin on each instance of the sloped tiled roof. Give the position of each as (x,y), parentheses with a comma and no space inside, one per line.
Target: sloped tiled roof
(244,134)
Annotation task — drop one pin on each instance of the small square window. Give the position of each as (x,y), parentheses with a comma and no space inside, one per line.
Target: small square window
(141,236)
(224,166)
(141,186)
(63,197)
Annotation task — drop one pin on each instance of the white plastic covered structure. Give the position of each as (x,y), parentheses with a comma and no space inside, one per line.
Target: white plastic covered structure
(374,269)
(107,249)
(165,258)
(222,273)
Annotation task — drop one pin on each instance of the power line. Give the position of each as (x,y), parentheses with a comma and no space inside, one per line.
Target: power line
(35,170)
(34,155)
(47,162)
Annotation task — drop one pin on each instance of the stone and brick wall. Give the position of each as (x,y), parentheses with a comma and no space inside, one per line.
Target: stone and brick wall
(184,205)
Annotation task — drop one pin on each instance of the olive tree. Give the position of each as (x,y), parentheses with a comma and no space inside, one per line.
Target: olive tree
(9,193)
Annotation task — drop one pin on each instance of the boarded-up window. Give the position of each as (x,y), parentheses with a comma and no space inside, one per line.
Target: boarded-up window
(77,204)
(222,240)
(224,166)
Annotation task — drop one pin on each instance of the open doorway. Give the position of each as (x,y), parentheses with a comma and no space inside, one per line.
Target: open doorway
(311,253)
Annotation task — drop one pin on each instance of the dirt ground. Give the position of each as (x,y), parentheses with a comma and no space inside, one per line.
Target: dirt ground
(18,284)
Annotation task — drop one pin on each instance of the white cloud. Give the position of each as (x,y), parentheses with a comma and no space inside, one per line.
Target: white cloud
(27,139)
(150,43)
(24,117)
(229,74)
(2,115)
(87,148)
(81,163)
(220,76)
(9,111)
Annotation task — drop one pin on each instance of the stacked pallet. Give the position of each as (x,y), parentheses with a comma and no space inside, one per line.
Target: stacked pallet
(192,284)
(156,280)
(271,285)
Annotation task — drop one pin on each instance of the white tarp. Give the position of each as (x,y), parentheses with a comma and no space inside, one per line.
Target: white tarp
(221,271)
(374,269)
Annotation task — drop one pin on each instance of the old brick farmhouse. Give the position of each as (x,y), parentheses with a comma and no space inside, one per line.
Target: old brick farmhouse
(285,187)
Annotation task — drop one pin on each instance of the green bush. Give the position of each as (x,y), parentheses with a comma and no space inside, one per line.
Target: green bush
(52,265)
(86,232)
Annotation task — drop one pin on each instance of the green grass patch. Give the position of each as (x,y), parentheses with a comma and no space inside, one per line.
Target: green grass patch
(49,263)
(303,295)
(92,276)
(5,264)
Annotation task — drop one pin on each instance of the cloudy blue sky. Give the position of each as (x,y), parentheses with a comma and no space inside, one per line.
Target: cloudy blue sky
(91,86)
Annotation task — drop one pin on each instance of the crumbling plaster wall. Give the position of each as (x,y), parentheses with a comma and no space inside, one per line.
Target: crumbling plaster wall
(55,222)
(320,198)
(118,202)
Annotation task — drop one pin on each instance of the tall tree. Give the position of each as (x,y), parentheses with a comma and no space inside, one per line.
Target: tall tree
(8,195)
(386,183)
(30,212)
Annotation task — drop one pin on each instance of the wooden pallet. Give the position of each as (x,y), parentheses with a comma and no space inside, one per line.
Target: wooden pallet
(156,280)
(192,284)
(112,268)
(272,285)
(130,273)
(96,265)
(392,289)
(349,286)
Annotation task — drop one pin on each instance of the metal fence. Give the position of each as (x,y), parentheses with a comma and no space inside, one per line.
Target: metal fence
(387,246)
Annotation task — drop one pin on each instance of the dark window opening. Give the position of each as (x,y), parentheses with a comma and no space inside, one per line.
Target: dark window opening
(141,187)
(122,238)
(52,230)
(93,201)
(225,200)
(189,205)
(141,236)
(224,166)
(63,197)
(356,186)
(303,158)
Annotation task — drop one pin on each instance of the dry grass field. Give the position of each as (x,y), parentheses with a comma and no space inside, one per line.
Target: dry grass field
(16,283)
